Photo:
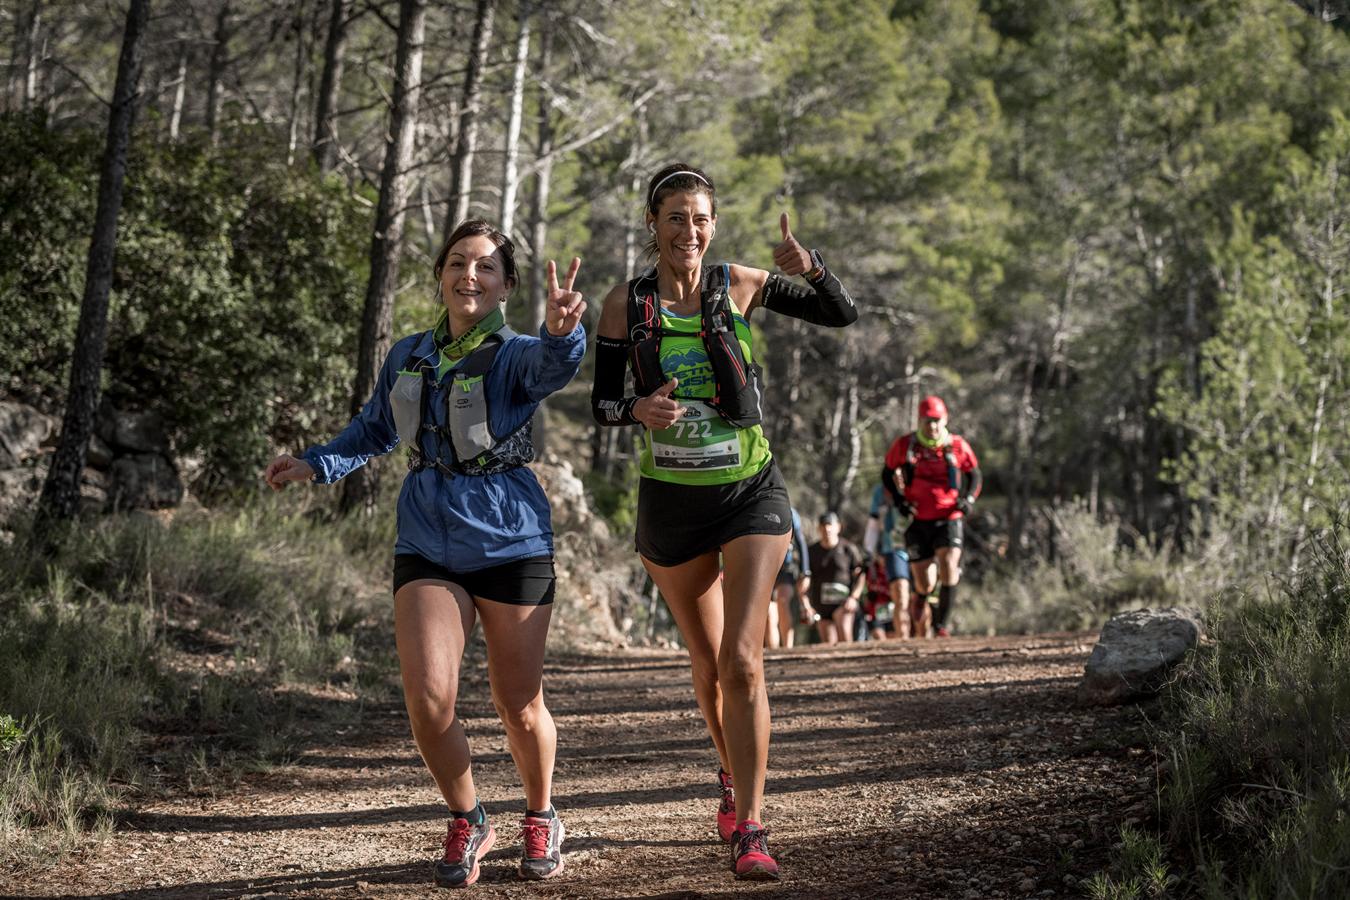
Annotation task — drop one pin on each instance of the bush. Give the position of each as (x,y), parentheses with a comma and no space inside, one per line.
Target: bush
(223,634)
(237,289)
(1257,729)
(1093,574)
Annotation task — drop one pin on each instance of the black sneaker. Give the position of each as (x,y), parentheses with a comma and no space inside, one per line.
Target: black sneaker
(465,844)
(543,847)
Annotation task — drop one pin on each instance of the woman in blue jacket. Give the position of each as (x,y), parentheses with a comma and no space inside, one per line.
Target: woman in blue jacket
(474,534)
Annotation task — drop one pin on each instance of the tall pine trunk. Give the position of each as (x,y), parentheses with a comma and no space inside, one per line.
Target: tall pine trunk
(510,176)
(31,33)
(325,146)
(215,75)
(461,168)
(361,487)
(61,492)
(543,177)
(297,82)
(179,92)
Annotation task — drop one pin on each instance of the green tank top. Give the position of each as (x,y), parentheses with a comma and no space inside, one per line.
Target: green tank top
(701,448)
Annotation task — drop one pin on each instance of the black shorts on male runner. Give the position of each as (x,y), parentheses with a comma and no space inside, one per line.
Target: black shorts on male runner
(924,537)
(521,582)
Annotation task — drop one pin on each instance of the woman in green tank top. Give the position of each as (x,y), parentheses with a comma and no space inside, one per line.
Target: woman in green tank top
(713,514)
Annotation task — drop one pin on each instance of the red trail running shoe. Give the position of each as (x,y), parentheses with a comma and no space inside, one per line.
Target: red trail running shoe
(750,857)
(726,810)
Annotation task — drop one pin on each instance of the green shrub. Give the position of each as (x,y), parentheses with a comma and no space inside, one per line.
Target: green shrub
(236,297)
(1092,575)
(1258,731)
(212,631)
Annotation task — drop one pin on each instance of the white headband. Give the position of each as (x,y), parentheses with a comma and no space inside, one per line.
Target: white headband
(652,197)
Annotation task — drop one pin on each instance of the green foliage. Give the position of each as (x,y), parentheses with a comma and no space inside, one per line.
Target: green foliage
(214,632)
(236,289)
(1258,733)
(1095,569)
(1274,370)
(1138,870)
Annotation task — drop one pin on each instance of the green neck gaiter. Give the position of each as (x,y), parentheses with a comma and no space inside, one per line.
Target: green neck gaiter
(455,349)
(943,438)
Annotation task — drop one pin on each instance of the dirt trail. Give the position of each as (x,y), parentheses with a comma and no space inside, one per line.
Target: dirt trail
(961,769)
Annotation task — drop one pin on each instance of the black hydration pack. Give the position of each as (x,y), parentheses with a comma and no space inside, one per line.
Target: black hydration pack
(465,444)
(737,387)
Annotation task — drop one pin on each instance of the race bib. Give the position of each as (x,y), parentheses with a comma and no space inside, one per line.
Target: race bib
(833,593)
(701,440)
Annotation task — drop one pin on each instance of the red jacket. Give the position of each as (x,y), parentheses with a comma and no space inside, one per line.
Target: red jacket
(928,488)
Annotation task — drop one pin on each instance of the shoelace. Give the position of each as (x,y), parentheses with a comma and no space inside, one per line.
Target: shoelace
(536,838)
(728,793)
(457,840)
(755,841)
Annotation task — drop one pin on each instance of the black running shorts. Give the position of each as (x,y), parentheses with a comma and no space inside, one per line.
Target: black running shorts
(923,537)
(678,522)
(521,582)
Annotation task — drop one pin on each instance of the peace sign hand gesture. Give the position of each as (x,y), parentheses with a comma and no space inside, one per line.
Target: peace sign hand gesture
(790,256)
(565,305)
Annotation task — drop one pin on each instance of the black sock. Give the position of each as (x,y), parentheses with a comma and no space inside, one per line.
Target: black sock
(946,597)
(475,816)
(546,814)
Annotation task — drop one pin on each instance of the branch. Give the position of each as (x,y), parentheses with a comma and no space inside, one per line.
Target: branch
(80,78)
(589,137)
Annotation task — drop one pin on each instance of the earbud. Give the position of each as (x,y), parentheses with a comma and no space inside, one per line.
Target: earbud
(651,226)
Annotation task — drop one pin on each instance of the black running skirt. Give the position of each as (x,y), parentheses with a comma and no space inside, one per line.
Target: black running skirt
(521,582)
(678,522)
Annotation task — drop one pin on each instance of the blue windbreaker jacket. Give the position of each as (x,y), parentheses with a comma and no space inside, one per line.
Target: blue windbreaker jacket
(463,522)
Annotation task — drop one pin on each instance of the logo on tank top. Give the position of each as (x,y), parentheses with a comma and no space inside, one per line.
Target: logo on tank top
(690,366)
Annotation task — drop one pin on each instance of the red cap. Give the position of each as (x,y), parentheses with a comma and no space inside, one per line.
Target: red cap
(932,407)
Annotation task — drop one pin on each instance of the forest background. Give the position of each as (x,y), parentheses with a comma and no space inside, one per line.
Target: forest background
(1113,235)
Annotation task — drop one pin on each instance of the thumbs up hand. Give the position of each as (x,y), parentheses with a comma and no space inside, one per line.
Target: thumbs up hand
(790,256)
(658,409)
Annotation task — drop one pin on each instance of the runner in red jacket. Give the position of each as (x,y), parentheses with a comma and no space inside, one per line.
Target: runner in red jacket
(934,476)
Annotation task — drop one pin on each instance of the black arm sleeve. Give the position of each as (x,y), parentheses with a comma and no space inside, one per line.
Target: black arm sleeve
(608,404)
(888,482)
(824,303)
(974,481)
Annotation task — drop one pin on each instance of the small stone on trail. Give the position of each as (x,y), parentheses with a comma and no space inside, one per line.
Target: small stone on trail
(1027,885)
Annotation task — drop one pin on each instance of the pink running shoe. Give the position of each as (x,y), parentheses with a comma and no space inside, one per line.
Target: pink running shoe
(465,845)
(750,858)
(726,810)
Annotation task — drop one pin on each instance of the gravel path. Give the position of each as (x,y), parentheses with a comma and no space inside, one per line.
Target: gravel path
(956,769)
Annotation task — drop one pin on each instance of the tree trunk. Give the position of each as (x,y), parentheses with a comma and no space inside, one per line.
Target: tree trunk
(220,55)
(179,93)
(510,178)
(31,55)
(854,435)
(325,146)
(542,180)
(61,492)
(297,79)
(1019,493)
(461,169)
(361,487)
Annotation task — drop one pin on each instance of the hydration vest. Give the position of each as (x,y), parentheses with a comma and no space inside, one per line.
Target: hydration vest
(736,383)
(466,444)
(948,456)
